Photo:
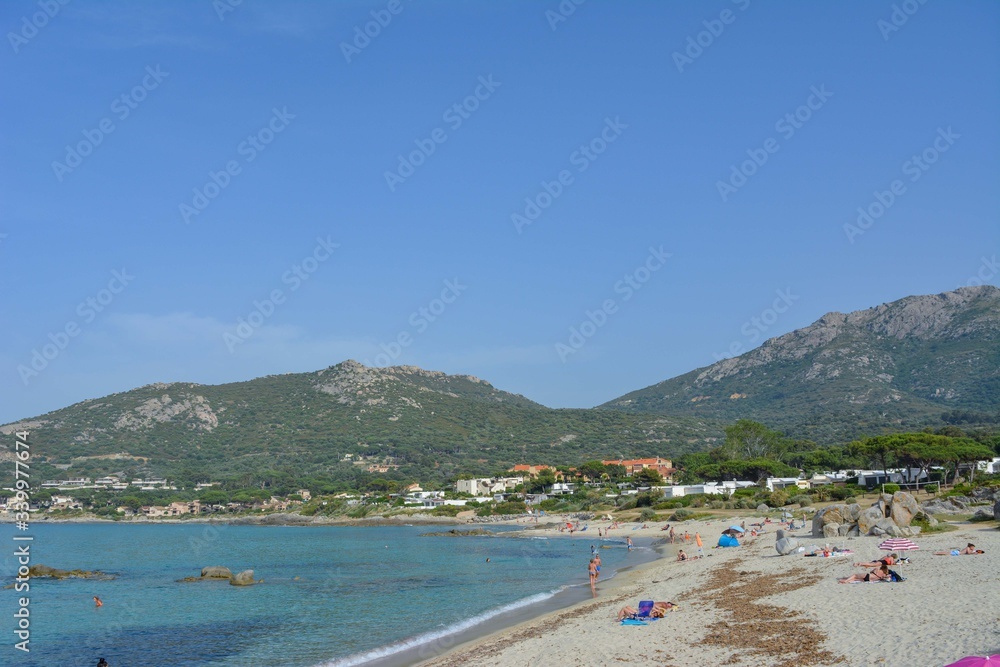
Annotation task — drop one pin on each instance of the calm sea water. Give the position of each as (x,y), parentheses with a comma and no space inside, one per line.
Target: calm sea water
(332,595)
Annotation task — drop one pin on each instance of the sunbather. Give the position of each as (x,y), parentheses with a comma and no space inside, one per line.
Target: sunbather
(969,550)
(889,560)
(658,611)
(880,573)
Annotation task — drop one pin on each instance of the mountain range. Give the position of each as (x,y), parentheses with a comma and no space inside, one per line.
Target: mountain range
(897,366)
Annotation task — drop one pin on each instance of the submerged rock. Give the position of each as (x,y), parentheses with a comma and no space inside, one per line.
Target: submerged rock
(37,571)
(475,532)
(244,578)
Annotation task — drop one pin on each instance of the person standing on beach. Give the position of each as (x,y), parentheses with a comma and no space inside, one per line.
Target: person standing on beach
(597,566)
(592,571)
(697,540)
(628,541)
(671,534)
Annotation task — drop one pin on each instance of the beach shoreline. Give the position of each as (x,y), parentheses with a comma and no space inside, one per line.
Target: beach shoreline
(750,607)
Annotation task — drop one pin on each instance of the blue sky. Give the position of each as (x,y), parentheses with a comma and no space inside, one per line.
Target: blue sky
(211,192)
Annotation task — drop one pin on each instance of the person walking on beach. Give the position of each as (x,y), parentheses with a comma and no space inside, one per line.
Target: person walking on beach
(592,571)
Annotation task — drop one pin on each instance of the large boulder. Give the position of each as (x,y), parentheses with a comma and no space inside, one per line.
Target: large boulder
(851,512)
(996,510)
(216,572)
(983,514)
(763,508)
(832,514)
(869,518)
(244,578)
(831,530)
(904,507)
(786,545)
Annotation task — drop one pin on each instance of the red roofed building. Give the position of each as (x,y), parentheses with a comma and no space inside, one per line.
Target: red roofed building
(632,466)
(533,471)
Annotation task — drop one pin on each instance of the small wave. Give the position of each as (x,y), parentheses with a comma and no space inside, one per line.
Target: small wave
(434,635)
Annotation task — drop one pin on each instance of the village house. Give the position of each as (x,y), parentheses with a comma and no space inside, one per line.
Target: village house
(64,503)
(485,486)
(632,466)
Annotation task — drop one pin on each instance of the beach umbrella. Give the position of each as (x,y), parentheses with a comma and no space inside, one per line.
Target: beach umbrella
(737,529)
(976,661)
(898,544)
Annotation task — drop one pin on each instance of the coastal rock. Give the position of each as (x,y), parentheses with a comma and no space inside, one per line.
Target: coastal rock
(869,518)
(216,572)
(851,512)
(37,571)
(785,545)
(763,508)
(831,530)
(244,578)
(475,532)
(903,508)
(853,531)
(996,510)
(983,514)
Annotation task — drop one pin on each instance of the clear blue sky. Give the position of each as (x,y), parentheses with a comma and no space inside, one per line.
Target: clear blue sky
(117,112)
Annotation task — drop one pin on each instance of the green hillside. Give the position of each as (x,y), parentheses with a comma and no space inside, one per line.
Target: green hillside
(897,366)
(431,425)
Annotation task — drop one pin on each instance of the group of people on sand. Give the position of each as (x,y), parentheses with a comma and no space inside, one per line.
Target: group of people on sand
(880,573)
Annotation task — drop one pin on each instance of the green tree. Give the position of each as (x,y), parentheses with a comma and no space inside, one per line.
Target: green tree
(752,440)
(648,477)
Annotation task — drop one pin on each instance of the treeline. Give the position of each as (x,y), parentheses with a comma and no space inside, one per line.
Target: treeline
(752,451)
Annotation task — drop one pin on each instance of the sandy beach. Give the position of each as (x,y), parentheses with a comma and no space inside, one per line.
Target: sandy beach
(750,607)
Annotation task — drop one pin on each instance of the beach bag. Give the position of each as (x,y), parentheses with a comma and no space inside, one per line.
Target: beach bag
(895,576)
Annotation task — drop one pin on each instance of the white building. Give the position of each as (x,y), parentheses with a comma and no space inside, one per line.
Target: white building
(990,467)
(485,486)
(778,483)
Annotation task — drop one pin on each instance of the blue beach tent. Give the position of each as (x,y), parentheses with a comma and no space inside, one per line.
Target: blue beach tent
(728,541)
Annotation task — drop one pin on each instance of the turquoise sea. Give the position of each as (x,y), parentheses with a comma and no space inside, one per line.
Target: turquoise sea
(332,596)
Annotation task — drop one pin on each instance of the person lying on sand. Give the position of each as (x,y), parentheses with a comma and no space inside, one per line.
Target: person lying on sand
(889,560)
(880,573)
(969,550)
(658,611)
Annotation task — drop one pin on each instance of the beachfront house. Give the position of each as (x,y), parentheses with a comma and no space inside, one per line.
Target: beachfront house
(989,467)
(779,483)
(486,486)
(561,489)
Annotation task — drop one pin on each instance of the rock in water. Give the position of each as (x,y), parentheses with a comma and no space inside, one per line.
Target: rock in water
(216,572)
(244,578)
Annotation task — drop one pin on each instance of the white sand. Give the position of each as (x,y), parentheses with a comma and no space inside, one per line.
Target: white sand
(948,607)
